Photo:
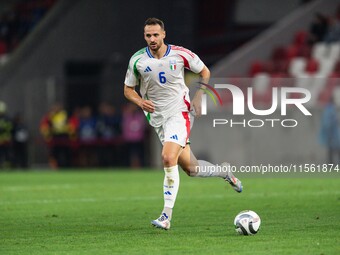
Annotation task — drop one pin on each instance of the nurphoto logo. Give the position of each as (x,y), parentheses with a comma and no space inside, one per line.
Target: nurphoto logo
(281,98)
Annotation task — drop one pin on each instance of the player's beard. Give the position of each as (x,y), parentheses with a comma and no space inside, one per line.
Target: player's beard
(155,47)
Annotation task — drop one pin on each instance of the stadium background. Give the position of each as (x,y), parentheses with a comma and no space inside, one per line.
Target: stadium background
(78,54)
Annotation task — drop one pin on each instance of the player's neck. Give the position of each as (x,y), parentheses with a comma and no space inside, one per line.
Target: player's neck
(160,52)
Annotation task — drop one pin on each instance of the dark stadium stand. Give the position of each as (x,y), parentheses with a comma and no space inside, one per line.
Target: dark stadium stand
(17,19)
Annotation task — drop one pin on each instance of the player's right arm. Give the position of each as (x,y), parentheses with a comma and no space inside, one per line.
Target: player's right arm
(131,94)
(197,100)
(132,79)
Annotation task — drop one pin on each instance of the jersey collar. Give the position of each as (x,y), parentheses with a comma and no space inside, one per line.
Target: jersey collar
(166,53)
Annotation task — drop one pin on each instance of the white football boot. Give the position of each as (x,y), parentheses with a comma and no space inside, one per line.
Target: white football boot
(233,181)
(162,222)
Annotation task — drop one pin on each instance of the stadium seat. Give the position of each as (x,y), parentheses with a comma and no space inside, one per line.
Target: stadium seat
(304,51)
(319,50)
(297,66)
(269,66)
(326,51)
(261,89)
(300,38)
(291,52)
(261,82)
(282,66)
(284,53)
(335,51)
(256,67)
(326,67)
(312,66)
(277,66)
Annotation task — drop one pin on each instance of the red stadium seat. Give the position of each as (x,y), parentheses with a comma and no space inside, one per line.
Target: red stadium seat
(291,52)
(304,51)
(256,67)
(283,53)
(297,66)
(277,66)
(300,38)
(312,66)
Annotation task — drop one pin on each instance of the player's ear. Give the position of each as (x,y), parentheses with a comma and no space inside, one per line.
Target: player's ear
(164,34)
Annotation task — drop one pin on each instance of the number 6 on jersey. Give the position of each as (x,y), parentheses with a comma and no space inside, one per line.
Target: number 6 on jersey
(162,78)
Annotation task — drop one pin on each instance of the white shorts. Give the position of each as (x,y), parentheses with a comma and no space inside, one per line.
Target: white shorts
(176,129)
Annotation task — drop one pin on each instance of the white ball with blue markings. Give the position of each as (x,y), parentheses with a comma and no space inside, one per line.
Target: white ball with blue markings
(247,223)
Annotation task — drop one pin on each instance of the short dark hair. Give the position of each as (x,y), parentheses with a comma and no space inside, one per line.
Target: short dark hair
(154,21)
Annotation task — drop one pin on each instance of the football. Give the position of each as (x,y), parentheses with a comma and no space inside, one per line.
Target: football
(247,223)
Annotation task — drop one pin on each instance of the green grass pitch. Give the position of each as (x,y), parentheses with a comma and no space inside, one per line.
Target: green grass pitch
(109,212)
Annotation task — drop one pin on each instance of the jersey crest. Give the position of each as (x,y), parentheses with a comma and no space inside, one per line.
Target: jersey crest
(173,65)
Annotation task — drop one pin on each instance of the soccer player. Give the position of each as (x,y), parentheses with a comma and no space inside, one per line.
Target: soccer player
(159,70)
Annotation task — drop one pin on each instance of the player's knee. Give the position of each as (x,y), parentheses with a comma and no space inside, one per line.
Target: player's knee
(169,159)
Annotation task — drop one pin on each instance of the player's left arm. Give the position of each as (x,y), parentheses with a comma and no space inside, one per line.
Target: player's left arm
(197,100)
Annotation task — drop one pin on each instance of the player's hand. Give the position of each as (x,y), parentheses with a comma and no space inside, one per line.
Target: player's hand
(148,106)
(196,104)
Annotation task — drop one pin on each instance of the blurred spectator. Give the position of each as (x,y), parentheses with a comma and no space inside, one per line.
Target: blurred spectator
(318,28)
(87,125)
(87,137)
(133,129)
(333,33)
(74,123)
(109,131)
(88,140)
(5,136)
(330,133)
(108,122)
(20,143)
(55,129)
